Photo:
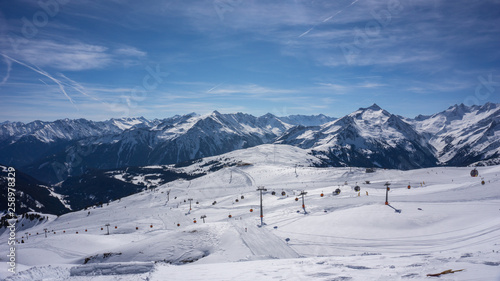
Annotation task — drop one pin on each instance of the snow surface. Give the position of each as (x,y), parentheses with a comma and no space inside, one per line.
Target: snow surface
(447,220)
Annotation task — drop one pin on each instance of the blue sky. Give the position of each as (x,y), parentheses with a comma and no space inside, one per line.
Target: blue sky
(103,59)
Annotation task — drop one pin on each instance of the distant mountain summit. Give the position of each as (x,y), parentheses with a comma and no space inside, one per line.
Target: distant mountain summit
(368,137)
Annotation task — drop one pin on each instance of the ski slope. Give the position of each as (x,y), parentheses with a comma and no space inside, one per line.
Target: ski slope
(447,220)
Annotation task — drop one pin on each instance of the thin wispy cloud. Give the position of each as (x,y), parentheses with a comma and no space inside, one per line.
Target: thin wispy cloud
(371,85)
(337,88)
(249,89)
(130,51)
(73,57)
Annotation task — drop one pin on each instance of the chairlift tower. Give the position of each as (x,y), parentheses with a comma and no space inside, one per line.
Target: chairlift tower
(190,199)
(387,192)
(261,188)
(107,228)
(303,204)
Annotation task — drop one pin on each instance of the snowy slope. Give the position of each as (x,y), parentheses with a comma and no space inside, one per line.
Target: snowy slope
(97,186)
(277,154)
(448,220)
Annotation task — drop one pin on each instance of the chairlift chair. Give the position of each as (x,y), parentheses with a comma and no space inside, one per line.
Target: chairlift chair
(474,173)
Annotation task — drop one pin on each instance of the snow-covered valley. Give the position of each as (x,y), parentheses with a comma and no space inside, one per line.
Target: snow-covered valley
(445,220)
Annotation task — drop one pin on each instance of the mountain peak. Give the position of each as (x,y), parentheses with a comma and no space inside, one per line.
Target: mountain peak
(216,113)
(458,109)
(374,107)
(192,114)
(268,115)
(374,111)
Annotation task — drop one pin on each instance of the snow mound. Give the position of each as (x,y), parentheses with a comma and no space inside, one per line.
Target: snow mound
(111,269)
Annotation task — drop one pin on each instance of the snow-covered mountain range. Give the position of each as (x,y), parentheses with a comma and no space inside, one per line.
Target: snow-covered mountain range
(368,137)
(52,151)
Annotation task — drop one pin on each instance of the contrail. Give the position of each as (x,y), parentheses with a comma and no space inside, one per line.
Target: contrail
(75,85)
(215,87)
(79,88)
(40,71)
(9,67)
(305,33)
(43,82)
(328,18)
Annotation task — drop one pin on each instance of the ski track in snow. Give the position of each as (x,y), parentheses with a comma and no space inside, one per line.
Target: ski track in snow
(263,243)
(249,179)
